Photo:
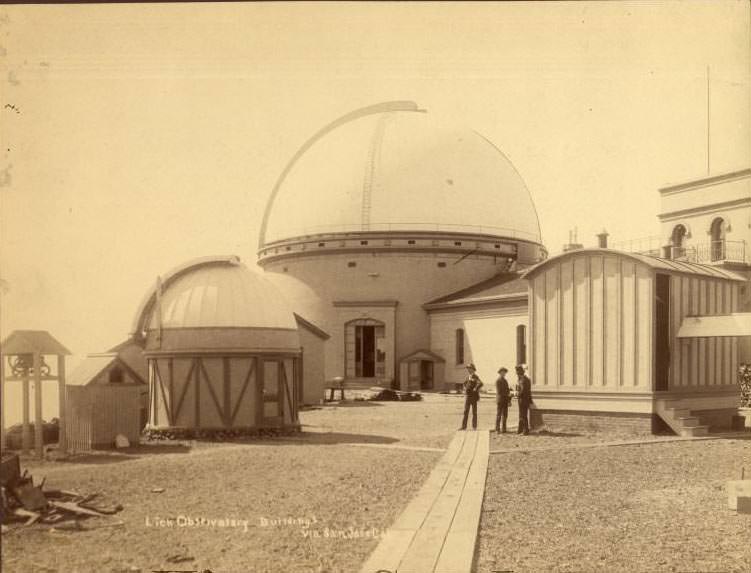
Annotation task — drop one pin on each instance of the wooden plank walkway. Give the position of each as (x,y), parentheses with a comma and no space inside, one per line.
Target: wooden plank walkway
(437,531)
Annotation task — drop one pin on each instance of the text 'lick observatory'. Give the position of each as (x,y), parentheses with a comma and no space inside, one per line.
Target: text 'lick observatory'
(381,212)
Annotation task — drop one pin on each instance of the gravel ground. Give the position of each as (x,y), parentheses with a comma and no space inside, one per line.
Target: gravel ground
(341,495)
(648,508)
(428,423)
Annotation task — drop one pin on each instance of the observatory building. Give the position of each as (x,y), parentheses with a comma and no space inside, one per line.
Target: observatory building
(376,220)
(222,348)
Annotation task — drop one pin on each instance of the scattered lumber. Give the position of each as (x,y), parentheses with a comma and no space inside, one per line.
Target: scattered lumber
(23,501)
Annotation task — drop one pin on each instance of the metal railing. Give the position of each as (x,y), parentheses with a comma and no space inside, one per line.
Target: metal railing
(721,251)
(711,252)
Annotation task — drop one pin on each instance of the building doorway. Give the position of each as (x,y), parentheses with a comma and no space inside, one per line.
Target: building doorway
(426,375)
(717,246)
(365,351)
(365,354)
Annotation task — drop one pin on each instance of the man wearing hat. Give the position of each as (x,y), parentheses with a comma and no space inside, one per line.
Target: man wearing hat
(524,397)
(502,398)
(472,387)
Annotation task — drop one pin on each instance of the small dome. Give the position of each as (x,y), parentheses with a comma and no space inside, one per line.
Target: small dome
(400,170)
(223,303)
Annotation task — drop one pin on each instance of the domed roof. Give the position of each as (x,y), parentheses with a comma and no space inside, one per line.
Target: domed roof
(214,294)
(392,167)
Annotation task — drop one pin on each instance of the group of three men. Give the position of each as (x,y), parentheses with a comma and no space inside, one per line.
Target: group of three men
(472,387)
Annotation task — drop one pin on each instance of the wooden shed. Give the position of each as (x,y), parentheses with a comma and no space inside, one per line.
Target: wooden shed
(604,340)
(421,370)
(104,398)
(222,348)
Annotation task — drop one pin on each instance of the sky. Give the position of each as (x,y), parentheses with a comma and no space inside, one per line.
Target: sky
(136,137)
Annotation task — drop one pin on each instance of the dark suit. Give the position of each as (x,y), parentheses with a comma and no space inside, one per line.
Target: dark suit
(524,397)
(472,387)
(503,398)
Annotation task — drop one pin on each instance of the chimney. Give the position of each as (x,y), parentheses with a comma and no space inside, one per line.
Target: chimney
(667,251)
(572,244)
(602,239)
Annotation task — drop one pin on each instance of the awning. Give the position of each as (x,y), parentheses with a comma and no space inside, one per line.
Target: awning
(737,324)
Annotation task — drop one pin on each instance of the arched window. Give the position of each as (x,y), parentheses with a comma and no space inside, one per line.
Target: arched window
(677,242)
(460,346)
(521,344)
(717,233)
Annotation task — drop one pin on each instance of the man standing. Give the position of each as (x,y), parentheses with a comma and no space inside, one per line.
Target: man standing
(502,397)
(472,387)
(524,397)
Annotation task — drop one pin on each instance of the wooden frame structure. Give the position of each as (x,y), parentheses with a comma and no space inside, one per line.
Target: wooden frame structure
(222,391)
(24,351)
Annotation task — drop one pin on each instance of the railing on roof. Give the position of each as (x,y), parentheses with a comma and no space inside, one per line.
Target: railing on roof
(644,245)
(711,252)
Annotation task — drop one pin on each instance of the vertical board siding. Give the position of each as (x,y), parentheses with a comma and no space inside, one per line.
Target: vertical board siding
(676,290)
(628,325)
(99,412)
(703,342)
(694,311)
(685,344)
(612,322)
(727,352)
(711,346)
(719,342)
(538,289)
(582,312)
(552,294)
(568,323)
(531,344)
(645,304)
(598,317)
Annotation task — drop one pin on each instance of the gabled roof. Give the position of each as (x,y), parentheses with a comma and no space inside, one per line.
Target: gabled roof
(657,263)
(423,352)
(503,287)
(30,341)
(94,365)
(131,352)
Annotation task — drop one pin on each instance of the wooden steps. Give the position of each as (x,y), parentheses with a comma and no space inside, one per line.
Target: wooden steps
(680,419)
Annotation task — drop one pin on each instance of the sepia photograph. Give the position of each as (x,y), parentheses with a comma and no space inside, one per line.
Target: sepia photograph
(375,287)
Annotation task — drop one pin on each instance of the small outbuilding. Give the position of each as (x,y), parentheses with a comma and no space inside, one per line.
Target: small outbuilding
(222,348)
(421,370)
(104,399)
(605,340)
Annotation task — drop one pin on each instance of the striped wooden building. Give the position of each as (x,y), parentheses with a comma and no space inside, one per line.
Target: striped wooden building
(605,339)
(223,350)
(104,397)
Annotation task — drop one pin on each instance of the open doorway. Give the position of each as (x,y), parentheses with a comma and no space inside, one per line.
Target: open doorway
(365,353)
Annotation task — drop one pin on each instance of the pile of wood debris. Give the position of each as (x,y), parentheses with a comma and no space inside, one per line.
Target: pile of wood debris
(24,504)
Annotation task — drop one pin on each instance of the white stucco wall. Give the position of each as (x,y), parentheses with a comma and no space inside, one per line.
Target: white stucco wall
(490,340)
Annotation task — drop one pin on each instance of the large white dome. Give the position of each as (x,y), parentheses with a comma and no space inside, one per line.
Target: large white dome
(399,171)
